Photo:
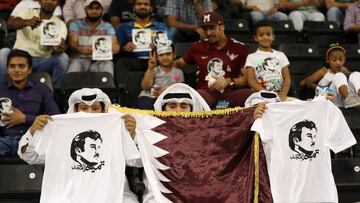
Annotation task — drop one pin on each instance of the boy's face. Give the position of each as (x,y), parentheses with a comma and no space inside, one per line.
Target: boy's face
(264,37)
(177,107)
(166,59)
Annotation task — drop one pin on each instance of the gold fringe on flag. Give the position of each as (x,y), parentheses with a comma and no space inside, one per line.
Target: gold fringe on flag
(256,162)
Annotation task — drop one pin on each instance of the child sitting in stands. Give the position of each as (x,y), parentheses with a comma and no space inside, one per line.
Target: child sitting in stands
(158,78)
(334,75)
(267,69)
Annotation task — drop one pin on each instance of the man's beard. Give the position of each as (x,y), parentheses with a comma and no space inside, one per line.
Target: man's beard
(142,15)
(93,19)
(48,11)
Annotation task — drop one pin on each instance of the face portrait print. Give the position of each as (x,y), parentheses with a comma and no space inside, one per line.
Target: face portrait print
(215,68)
(142,39)
(302,140)
(50,33)
(86,150)
(160,38)
(102,46)
(5,107)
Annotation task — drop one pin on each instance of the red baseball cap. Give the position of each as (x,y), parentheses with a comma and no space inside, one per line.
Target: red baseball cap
(211,19)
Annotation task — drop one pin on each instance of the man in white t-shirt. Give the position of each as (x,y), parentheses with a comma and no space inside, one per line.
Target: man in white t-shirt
(83,100)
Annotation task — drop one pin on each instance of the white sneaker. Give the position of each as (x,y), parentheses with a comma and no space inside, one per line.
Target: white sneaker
(351,101)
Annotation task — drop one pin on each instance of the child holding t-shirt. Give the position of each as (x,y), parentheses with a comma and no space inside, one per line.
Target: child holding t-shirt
(267,69)
(158,78)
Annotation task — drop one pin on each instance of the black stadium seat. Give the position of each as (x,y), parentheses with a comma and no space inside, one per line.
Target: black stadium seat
(19,182)
(3,31)
(132,89)
(323,33)
(238,29)
(102,80)
(181,48)
(285,32)
(44,78)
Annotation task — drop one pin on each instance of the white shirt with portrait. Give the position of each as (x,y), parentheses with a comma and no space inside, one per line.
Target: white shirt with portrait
(65,180)
(295,177)
(268,66)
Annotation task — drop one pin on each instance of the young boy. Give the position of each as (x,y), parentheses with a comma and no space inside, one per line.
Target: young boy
(267,69)
(158,78)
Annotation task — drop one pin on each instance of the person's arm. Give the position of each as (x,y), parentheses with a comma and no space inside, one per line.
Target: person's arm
(333,3)
(311,81)
(200,8)
(179,63)
(16,23)
(115,45)
(173,22)
(285,4)
(251,78)
(350,19)
(148,80)
(286,83)
(74,45)
(241,81)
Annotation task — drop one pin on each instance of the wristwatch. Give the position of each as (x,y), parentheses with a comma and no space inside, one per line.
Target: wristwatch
(232,83)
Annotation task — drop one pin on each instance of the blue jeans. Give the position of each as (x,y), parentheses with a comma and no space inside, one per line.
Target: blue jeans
(56,65)
(335,14)
(257,16)
(9,145)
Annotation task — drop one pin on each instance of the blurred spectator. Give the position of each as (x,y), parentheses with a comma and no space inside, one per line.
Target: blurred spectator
(75,9)
(302,10)
(158,77)
(136,60)
(263,10)
(183,18)
(121,11)
(160,9)
(352,19)
(6,6)
(50,59)
(80,33)
(221,61)
(29,99)
(336,10)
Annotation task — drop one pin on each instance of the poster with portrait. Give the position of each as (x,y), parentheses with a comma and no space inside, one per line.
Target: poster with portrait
(102,48)
(50,33)
(160,38)
(142,39)
(5,107)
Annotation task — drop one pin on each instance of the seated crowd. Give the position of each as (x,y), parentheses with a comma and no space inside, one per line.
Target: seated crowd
(120,37)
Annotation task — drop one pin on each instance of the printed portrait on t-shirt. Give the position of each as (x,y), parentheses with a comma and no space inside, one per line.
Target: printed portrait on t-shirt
(86,148)
(215,68)
(302,140)
(268,74)
(5,107)
(160,38)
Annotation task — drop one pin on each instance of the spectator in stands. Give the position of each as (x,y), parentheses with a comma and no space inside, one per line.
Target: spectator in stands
(121,11)
(6,7)
(136,60)
(183,18)
(336,10)
(80,33)
(214,84)
(158,78)
(302,10)
(51,59)
(334,75)
(83,100)
(75,9)
(352,17)
(267,69)
(263,10)
(29,99)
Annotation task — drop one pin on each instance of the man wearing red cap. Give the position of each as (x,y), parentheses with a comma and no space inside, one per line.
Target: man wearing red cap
(221,60)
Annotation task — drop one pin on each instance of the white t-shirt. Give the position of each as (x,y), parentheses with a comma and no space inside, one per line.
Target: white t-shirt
(84,162)
(268,66)
(28,4)
(297,137)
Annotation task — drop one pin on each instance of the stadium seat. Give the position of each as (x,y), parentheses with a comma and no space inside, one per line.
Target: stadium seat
(132,89)
(285,32)
(3,31)
(323,33)
(238,29)
(44,78)
(102,80)
(304,60)
(20,182)
(352,56)
(190,75)
(347,178)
